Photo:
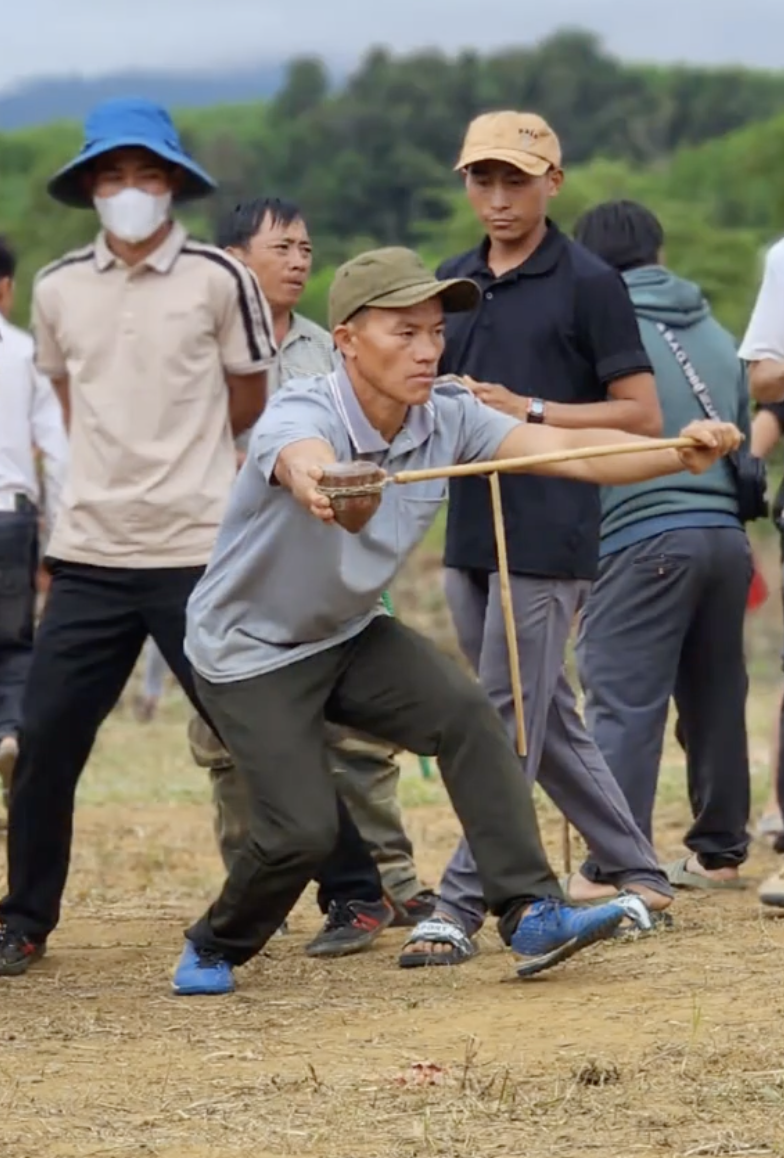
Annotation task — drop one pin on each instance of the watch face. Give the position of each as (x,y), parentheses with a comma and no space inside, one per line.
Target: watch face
(536,410)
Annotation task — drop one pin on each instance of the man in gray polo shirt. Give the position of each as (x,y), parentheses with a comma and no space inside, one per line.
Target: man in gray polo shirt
(286,629)
(271,237)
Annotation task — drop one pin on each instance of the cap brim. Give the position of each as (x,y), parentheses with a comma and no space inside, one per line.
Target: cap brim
(67,186)
(525,162)
(457,294)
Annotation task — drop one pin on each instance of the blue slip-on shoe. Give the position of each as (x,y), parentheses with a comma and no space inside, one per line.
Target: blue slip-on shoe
(202,972)
(551,931)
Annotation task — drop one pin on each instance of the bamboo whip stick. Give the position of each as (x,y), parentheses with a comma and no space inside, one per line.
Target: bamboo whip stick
(532,460)
(507,608)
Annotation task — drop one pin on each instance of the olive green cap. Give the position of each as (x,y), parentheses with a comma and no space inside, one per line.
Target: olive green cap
(393,279)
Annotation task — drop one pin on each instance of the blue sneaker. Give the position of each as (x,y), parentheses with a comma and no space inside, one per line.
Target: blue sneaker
(552,931)
(200,971)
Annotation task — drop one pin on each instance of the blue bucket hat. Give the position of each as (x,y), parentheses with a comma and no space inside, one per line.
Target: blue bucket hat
(124,123)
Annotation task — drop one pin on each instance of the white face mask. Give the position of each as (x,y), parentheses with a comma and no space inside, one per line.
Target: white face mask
(133,215)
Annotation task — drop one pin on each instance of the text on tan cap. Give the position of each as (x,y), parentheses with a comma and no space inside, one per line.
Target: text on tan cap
(393,278)
(524,140)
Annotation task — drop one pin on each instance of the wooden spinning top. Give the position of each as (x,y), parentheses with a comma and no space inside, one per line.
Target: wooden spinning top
(354,490)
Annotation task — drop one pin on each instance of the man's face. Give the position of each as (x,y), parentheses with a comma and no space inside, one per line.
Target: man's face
(508,202)
(6,296)
(281,257)
(131,169)
(396,351)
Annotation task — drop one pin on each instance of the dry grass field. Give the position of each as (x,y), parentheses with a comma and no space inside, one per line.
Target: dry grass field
(667,1046)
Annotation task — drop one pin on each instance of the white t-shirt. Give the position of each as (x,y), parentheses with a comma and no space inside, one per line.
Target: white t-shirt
(765,334)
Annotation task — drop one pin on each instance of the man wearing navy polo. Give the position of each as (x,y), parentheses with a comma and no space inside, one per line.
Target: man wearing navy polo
(555,343)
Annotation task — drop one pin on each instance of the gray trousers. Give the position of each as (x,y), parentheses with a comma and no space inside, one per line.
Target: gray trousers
(561,754)
(665,618)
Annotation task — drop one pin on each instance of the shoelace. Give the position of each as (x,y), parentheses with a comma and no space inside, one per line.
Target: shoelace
(210,958)
(339,915)
(547,905)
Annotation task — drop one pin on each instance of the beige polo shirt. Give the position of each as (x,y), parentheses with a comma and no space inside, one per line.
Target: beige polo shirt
(146,350)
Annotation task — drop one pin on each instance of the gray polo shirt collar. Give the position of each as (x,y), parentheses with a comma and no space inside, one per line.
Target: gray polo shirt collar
(417,429)
(295,333)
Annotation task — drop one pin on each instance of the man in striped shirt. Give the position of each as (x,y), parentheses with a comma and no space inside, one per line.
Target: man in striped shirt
(158,347)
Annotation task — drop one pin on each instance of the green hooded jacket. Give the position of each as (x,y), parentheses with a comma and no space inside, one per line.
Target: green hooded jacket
(642,510)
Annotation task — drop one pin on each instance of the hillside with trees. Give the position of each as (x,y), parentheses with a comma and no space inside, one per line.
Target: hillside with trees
(372,161)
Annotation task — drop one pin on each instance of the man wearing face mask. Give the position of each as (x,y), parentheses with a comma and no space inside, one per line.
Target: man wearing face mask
(158,348)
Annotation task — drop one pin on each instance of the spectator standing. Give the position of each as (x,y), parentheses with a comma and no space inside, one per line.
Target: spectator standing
(665,616)
(763,350)
(762,347)
(553,343)
(158,347)
(767,428)
(31,421)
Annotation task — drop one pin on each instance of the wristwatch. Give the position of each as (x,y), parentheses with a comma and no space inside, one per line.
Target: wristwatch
(535,410)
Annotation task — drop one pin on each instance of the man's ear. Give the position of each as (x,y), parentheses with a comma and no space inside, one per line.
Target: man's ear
(343,337)
(237,252)
(556,180)
(176,179)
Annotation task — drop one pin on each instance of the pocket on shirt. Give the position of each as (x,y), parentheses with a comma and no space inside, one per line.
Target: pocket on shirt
(432,490)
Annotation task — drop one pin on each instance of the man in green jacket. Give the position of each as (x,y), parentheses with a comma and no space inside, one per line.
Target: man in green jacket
(674,574)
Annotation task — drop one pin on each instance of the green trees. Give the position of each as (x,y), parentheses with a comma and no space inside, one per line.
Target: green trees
(372,162)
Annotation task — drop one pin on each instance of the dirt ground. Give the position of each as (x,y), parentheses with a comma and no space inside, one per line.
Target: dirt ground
(668,1046)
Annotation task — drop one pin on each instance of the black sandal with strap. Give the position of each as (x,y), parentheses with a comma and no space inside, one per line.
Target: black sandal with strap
(437,931)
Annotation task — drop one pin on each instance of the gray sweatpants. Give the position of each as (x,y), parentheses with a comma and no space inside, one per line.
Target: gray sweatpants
(561,754)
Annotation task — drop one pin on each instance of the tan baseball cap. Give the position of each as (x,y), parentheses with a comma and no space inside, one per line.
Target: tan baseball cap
(392,279)
(524,140)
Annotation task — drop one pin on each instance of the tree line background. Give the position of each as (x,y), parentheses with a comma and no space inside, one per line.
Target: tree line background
(372,163)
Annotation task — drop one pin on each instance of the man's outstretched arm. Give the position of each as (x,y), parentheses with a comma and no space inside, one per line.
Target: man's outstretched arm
(715,439)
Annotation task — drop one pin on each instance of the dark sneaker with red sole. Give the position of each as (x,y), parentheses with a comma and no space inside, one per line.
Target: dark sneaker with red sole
(419,908)
(350,927)
(18,953)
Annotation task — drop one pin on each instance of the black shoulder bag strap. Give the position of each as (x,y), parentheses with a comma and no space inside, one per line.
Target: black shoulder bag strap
(748,472)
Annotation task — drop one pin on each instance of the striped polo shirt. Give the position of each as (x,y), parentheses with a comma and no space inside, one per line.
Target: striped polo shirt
(146,350)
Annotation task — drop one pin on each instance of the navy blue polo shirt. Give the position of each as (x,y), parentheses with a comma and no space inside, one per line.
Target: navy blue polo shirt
(559,327)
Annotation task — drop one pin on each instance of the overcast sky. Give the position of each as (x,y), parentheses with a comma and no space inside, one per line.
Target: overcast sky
(97,36)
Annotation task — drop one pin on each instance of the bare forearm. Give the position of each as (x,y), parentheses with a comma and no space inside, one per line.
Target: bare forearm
(610,470)
(62,390)
(617,470)
(621,469)
(765,433)
(297,459)
(766,380)
(616,414)
(247,398)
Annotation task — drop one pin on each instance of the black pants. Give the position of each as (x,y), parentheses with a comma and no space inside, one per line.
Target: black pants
(391,682)
(94,626)
(349,873)
(665,619)
(18,566)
